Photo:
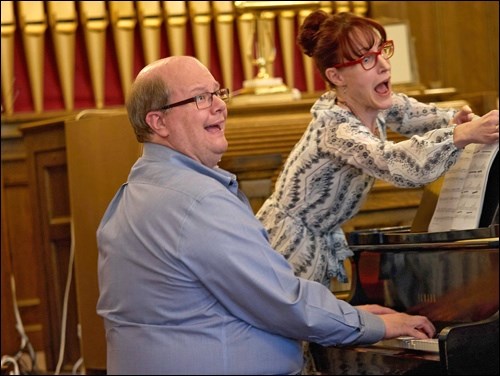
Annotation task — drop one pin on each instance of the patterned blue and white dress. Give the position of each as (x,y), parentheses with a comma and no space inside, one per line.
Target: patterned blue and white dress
(332,168)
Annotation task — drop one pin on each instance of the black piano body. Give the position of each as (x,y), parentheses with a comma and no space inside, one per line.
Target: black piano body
(451,277)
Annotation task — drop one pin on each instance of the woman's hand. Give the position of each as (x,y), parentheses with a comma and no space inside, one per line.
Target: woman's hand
(463,116)
(480,130)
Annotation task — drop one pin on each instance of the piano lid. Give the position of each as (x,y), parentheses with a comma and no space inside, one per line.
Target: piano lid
(403,235)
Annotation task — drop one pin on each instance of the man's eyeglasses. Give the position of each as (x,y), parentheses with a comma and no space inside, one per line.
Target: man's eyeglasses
(203,100)
(369,60)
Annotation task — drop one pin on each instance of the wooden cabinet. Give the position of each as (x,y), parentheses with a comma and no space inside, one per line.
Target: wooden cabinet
(100,152)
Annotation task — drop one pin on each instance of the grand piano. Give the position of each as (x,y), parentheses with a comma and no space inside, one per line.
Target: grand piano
(451,277)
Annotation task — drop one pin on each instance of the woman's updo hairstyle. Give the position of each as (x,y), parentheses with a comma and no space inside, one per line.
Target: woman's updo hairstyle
(331,39)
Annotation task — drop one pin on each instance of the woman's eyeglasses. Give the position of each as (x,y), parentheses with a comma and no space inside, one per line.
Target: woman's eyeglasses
(369,60)
(203,100)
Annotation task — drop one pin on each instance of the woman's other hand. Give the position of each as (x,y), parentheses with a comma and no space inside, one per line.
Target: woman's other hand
(463,116)
(480,130)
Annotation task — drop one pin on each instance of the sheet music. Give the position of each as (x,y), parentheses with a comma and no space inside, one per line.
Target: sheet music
(461,198)
(450,192)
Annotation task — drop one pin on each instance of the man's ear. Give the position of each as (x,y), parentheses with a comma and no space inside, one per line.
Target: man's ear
(335,76)
(155,120)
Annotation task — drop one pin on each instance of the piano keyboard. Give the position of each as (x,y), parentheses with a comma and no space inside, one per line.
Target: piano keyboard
(411,343)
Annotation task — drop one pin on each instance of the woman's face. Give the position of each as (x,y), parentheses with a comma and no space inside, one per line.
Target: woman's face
(367,90)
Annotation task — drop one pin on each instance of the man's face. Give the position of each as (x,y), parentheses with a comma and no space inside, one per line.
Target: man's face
(197,133)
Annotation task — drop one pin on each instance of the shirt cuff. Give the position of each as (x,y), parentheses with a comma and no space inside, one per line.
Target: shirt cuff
(373,328)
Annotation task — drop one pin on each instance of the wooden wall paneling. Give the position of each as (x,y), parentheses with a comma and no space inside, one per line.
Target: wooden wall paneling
(424,31)
(468,35)
(17,225)
(24,260)
(456,43)
(426,37)
(481,102)
(46,160)
(10,337)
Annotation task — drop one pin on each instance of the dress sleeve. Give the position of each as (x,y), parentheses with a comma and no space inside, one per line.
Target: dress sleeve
(410,163)
(409,117)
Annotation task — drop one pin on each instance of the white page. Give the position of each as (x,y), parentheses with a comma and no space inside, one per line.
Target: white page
(451,190)
(461,197)
(470,205)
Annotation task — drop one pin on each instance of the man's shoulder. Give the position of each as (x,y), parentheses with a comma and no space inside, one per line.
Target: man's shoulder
(184,181)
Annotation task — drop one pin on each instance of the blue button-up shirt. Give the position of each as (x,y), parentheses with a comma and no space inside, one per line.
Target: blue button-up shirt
(190,285)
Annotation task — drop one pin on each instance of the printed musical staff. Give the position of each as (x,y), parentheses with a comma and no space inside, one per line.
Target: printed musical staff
(462,194)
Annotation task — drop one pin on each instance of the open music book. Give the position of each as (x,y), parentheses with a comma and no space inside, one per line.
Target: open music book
(469,191)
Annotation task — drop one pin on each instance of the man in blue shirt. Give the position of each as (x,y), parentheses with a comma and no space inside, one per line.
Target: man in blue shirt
(188,281)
